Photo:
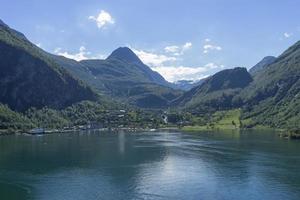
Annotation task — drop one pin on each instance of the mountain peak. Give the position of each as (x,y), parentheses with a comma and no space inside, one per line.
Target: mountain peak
(266,58)
(262,64)
(229,79)
(126,54)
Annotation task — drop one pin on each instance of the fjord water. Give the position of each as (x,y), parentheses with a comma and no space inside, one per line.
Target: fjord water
(156,165)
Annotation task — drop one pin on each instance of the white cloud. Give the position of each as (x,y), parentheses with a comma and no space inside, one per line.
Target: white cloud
(287,35)
(172,49)
(83,54)
(213,66)
(178,50)
(153,59)
(187,46)
(165,64)
(103,19)
(207,40)
(209,47)
(173,73)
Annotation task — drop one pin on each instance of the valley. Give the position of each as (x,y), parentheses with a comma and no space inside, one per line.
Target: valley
(39,89)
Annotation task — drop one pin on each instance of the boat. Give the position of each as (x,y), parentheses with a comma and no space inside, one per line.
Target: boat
(37,131)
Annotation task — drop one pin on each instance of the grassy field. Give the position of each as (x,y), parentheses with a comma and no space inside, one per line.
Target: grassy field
(221,120)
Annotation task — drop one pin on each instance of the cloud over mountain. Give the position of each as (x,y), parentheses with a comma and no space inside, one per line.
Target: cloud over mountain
(103,19)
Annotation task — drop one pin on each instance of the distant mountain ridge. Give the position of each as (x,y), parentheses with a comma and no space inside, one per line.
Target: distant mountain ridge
(216,91)
(127,55)
(30,77)
(125,77)
(262,64)
(269,96)
(187,84)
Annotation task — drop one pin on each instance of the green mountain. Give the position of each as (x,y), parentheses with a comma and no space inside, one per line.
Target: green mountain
(262,64)
(123,76)
(270,97)
(273,98)
(216,92)
(31,78)
(127,55)
(12,120)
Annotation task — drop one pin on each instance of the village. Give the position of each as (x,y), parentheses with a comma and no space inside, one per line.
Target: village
(115,120)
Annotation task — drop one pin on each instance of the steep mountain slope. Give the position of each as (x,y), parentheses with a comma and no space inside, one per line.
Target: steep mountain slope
(217,92)
(262,64)
(127,55)
(123,76)
(30,78)
(273,98)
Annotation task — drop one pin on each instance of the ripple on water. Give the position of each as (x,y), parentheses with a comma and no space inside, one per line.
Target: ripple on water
(150,166)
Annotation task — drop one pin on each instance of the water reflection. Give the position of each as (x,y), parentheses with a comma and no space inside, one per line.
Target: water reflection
(121,138)
(227,165)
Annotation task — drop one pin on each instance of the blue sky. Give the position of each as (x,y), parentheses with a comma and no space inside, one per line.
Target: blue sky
(181,39)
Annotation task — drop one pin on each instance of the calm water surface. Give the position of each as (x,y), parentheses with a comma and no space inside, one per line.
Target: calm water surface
(163,165)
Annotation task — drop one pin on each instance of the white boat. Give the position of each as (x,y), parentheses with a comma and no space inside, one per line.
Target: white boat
(36,131)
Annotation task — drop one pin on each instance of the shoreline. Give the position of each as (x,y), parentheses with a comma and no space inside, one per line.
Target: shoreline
(190,129)
(54,131)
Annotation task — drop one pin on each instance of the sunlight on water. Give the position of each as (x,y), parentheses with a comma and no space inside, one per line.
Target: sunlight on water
(247,165)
